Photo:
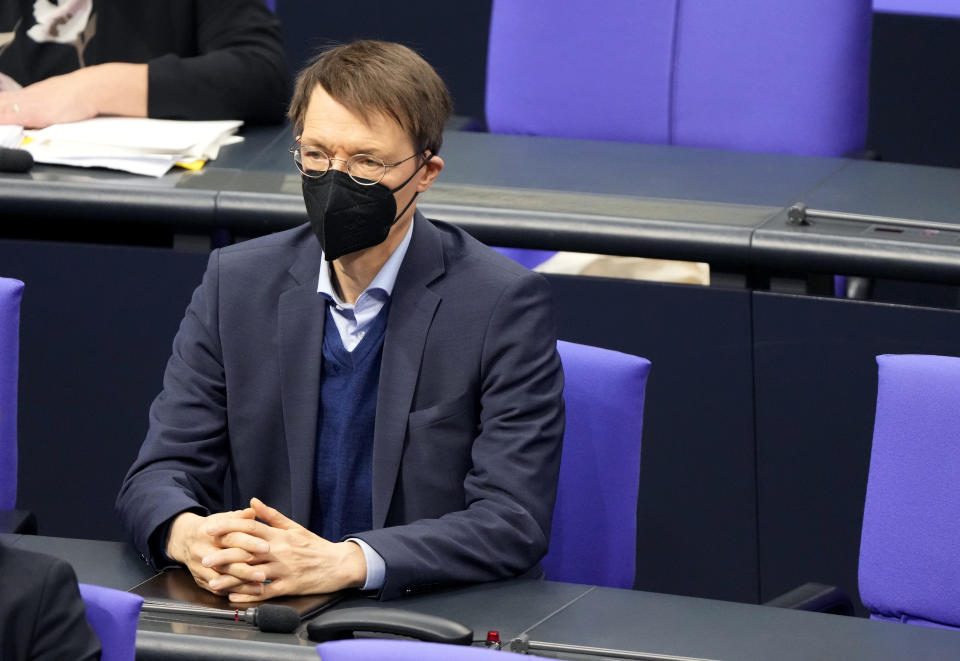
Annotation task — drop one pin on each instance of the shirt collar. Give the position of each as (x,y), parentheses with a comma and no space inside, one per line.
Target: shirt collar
(384,280)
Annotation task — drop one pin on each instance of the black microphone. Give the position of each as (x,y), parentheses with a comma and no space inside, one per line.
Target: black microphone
(15,160)
(269,618)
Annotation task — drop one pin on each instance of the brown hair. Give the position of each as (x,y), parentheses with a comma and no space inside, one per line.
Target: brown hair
(379,77)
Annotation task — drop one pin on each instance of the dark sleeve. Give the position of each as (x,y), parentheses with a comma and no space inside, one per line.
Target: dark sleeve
(184,457)
(157,542)
(239,73)
(62,630)
(511,487)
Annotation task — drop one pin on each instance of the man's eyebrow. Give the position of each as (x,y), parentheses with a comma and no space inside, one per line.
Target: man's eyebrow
(369,149)
(313,143)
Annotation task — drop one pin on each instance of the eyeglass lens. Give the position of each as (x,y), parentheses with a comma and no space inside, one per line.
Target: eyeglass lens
(315,163)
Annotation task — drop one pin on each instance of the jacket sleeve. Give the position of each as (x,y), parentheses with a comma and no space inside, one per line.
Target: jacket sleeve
(240,71)
(510,489)
(182,461)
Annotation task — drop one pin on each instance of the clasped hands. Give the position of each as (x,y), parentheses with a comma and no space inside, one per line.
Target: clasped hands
(258,553)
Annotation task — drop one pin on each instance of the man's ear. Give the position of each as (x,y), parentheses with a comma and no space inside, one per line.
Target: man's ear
(430,172)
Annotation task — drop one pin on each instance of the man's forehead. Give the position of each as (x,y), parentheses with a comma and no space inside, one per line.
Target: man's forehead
(327,119)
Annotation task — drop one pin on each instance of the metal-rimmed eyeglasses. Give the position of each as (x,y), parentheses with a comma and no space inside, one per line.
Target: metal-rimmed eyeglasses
(365,169)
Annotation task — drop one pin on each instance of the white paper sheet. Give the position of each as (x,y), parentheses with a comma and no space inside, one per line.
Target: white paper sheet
(11,135)
(141,146)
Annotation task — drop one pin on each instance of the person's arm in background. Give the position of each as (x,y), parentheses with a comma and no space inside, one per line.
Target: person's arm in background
(239,72)
(116,88)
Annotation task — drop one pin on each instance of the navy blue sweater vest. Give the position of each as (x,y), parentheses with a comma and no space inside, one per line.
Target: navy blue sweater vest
(348,406)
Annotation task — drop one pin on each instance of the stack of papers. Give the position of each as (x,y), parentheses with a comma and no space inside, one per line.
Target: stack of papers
(142,146)
(10,136)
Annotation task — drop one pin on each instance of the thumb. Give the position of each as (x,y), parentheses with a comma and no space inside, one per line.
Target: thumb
(271,516)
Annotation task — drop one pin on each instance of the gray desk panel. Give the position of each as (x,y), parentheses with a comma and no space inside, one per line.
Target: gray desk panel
(614,168)
(63,194)
(917,193)
(685,626)
(257,141)
(111,564)
(171,646)
(510,607)
(610,224)
(892,189)
(852,248)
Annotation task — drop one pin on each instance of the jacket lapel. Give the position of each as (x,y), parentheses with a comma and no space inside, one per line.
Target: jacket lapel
(412,307)
(301,314)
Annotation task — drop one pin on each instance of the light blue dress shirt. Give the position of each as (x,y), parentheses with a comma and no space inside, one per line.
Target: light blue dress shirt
(353,322)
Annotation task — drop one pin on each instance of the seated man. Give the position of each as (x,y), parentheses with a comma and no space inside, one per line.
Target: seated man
(388,383)
(168,59)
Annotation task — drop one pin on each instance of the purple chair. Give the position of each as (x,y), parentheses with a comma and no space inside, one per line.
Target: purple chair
(909,568)
(594,533)
(381,649)
(786,76)
(11,292)
(113,614)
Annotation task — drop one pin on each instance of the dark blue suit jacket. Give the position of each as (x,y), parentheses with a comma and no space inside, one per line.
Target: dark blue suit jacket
(469,412)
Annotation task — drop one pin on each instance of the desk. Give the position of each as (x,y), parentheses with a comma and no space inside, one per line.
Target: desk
(722,207)
(560,613)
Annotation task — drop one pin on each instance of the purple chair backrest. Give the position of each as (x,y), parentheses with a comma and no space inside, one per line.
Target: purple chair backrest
(909,568)
(787,76)
(113,614)
(380,649)
(526,257)
(949,8)
(10,293)
(594,534)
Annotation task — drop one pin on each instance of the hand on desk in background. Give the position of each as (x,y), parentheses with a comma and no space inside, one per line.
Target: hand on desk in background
(247,553)
(105,89)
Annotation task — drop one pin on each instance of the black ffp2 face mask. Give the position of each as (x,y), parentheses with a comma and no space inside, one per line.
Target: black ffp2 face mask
(347,216)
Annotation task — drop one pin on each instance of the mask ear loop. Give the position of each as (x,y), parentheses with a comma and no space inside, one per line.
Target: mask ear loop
(404,210)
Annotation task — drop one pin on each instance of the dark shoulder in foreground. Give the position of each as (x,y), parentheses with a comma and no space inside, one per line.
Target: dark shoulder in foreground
(15,561)
(278,240)
(41,610)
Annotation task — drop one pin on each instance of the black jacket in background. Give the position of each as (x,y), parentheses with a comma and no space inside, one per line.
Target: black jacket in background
(209,59)
(42,616)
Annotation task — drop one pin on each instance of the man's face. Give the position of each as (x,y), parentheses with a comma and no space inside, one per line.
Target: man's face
(340,134)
